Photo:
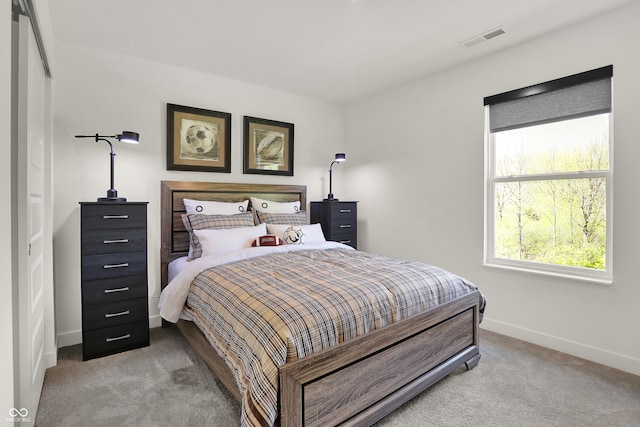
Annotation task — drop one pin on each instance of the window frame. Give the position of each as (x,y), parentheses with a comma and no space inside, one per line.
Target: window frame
(491,179)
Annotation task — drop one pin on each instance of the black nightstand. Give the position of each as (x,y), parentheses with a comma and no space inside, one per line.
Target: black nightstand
(339,220)
(115,307)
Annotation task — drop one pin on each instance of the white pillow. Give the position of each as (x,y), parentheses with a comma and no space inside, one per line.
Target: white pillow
(225,240)
(209,207)
(297,234)
(268,206)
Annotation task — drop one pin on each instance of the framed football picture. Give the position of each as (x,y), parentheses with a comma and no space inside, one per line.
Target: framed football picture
(268,147)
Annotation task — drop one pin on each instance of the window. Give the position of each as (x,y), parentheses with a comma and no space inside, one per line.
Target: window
(549,177)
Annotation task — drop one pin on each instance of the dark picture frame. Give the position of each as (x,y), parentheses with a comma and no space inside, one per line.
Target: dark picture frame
(198,139)
(268,147)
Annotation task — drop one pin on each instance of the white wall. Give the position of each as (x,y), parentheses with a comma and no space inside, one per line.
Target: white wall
(6,298)
(420,150)
(96,91)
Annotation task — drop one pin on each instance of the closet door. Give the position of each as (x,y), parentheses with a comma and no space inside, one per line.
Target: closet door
(32,240)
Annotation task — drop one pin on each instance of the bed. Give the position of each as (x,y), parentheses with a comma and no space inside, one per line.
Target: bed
(355,382)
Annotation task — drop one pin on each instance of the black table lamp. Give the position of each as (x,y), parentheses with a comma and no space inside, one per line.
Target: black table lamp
(340,157)
(125,136)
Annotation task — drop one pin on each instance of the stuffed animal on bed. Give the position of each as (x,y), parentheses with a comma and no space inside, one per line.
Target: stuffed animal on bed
(294,236)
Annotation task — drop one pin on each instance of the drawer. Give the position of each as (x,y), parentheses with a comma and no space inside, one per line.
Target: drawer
(110,216)
(343,226)
(113,265)
(101,342)
(96,316)
(347,239)
(344,210)
(98,241)
(116,289)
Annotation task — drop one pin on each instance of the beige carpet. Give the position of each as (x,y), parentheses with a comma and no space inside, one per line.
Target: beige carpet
(166,384)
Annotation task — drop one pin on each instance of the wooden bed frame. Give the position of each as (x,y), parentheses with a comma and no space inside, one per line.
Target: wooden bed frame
(356,382)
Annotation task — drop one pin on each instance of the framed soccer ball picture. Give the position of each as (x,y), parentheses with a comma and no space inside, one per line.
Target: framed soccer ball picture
(198,139)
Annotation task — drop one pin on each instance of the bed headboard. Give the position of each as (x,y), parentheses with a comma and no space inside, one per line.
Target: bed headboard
(175,239)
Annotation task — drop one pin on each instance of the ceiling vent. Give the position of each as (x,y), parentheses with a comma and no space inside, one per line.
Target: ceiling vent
(483,37)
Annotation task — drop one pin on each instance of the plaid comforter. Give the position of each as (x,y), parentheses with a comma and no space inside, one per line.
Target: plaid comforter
(263,312)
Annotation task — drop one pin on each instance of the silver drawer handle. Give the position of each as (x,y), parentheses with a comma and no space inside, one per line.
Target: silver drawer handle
(107,242)
(126,264)
(115,216)
(345,210)
(345,241)
(122,313)
(108,291)
(123,337)
(345,226)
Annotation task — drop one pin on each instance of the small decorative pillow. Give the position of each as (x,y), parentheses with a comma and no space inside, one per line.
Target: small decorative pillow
(267,240)
(298,218)
(209,207)
(211,222)
(269,206)
(224,241)
(297,234)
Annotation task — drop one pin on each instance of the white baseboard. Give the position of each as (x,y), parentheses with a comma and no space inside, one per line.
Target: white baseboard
(594,354)
(66,339)
(155,321)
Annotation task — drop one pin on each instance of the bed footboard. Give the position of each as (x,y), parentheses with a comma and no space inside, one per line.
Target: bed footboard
(362,380)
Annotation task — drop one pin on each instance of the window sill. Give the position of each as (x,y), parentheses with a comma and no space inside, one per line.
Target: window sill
(597,277)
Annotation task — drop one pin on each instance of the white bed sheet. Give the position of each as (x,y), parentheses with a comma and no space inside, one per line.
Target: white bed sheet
(176,266)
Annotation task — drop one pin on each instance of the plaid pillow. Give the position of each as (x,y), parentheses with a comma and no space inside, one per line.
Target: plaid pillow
(211,222)
(298,218)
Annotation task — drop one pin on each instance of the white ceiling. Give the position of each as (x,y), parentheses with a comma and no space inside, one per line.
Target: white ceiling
(335,50)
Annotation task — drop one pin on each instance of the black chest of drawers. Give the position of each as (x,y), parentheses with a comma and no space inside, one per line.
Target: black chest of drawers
(115,311)
(339,220)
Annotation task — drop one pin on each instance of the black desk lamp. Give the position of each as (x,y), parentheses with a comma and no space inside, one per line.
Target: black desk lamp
(340,157)
(125,136)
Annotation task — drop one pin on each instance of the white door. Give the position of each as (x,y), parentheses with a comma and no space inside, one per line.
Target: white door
(31,210)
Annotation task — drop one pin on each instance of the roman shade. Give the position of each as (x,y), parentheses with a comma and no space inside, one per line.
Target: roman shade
(579,95)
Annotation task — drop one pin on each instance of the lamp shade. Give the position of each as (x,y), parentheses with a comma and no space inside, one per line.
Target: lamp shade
(129,137)
(341,157)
